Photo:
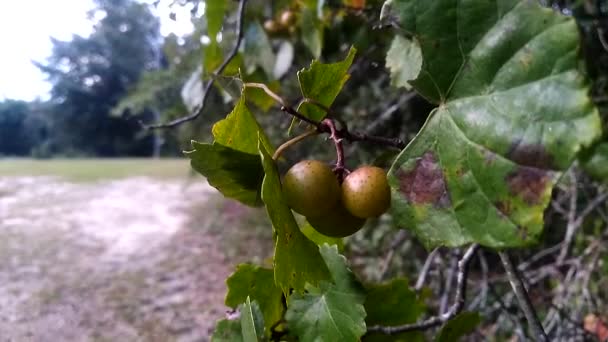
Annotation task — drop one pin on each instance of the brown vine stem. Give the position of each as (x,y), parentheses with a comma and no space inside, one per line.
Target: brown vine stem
(340,170)
(322,127)
(455,308)
(292,142)
(235,49)
(522,297)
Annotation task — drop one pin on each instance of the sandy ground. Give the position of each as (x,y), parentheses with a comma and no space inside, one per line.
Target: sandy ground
(107,261)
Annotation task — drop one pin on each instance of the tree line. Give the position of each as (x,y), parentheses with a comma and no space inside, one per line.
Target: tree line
(89,76)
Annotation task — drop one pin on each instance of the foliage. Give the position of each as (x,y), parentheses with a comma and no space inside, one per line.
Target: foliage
(19,129)
(461,325)
(512,114)
(482,168)
(90,75)
(490,97)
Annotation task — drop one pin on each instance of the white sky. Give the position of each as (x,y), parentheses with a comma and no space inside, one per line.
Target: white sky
(25,31)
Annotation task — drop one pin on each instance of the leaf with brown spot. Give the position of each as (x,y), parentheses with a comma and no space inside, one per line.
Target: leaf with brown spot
(424,184)
(528,183)
(530,155)
(513,112)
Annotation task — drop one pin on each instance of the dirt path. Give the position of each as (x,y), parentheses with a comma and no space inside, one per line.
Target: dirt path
(108,261)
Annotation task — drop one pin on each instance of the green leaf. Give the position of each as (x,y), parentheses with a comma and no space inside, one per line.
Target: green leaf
(322,83)
(596,163)
(333,311)
(240,130)
(319,238)
(237,175)
(227,331)
(258,284)
(312,31)
(232,163)
(258,50)
(212,57)
(296,259)
(459,326)
(403,69)
(214,13)
(392,304)
(513,114)
(252,322)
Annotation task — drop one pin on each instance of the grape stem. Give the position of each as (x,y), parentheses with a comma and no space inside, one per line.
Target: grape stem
(339,170)
(292,142)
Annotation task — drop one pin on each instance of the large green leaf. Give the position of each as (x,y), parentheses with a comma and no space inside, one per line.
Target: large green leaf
(232,163)
(258,284)
(240,130)
(391,304)
(227,331)
(296,259)
(463,324)
(322,83)
(237,175)
(596,163)
(252,322)
(333,311)
(513,113)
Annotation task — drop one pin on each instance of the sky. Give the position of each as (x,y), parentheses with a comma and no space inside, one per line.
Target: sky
(25,31)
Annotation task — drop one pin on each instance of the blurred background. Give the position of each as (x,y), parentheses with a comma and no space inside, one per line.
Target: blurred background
(106,234)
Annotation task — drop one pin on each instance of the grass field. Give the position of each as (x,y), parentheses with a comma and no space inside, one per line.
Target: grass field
(84,170)
(96,252)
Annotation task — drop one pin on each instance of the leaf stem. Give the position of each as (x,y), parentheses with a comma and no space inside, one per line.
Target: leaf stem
(292,142)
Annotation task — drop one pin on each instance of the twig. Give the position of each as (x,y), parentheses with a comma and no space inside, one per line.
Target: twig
(538,256)
(388,113)
(425,269)
(600,35)
(483,263)
(575,224)
(517,321)
(443,303)
(522,297)
(235,49)
(455,309)
(392,142)
(398,240)
(322,127)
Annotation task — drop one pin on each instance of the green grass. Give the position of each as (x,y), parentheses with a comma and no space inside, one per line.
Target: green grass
(86,170)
